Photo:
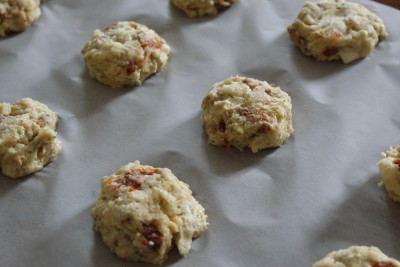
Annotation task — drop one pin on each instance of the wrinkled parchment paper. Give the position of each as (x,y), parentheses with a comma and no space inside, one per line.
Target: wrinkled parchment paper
(288,206)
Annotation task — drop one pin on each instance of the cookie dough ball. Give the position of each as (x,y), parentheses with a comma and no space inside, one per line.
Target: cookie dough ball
(357,256)
(245,112)
(142,211)
(125,54)
(199,8)
(17,15)
(389,167)
(27,137)
(336,30)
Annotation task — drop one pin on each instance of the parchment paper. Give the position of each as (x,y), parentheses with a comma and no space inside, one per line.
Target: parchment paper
(288,206)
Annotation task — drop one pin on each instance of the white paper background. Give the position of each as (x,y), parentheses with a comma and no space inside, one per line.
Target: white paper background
(288,206)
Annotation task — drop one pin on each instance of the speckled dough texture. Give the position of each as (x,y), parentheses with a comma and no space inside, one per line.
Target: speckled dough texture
(142,211)
(124,54)
(17,15)
(389,167)
(357,256)
(245,112)
(199,8)
(336,30)
(27,137)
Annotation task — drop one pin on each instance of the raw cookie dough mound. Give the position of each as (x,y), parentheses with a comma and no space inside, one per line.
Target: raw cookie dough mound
(245,112)
(336,30)
(142,211)
(389,167)
(125,54)
(17,15)
(199,8)
(27,137)
(357,256)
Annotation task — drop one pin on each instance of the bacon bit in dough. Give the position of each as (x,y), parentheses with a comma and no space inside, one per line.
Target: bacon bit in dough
(222,126)
(397,162)
(268,91)
(131,68)
(245,112)
(150,43)
(148,171)
(132,181)
(330,51)
(264,129)
(335,35)
(153,238)
(252,85)
(227,144)
(223,3)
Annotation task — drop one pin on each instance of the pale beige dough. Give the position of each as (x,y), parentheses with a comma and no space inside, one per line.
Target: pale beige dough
(199,8)
(357,256)
(389,167)
(17,15)
(245,112)
(124,54)
(336,30)
(142,211)
(27,137)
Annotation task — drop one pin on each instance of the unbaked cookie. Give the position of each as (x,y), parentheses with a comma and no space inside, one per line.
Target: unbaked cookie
(357,256)
(245,112)
(389,167)
(336,30)
(125,54)
(199,8)
(17,15)
(27,137)
(142,211)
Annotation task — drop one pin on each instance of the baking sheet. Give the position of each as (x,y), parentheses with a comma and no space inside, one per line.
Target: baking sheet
(288,206)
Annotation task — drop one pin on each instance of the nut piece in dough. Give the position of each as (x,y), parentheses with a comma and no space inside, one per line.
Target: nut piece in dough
(124,54)
(199,8)
(141,211)
(389,167)
(336,30)
(27,137)
(245,112)
(17,15)
(357,256)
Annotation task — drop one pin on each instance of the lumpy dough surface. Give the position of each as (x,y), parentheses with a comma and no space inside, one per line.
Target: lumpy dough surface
(336,30)
(18,15)
(199,8)
(245,112)
(389,167)
(124,54)
(143,211)
(357,256)
(27,137)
